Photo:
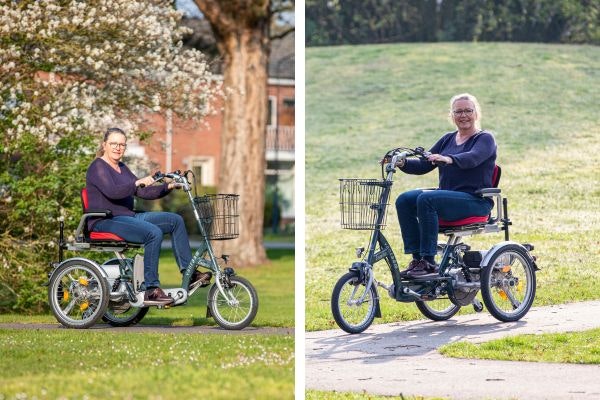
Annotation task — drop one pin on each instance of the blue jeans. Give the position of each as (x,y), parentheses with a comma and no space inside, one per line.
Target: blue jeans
(419,211)
(148,228)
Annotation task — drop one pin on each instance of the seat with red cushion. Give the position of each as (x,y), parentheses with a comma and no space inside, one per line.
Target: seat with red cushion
(476,220)
(96,236)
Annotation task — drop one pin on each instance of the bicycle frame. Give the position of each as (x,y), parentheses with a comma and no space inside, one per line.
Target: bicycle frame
(402,292)
(204,248)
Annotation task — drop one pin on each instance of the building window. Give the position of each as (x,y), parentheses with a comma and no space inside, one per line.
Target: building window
(289,102)
(203,169)
(272,111)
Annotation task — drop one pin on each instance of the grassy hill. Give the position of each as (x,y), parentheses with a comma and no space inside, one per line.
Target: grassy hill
(541,102)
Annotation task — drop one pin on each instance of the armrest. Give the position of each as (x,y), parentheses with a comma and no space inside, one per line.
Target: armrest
(90,213)
(97,213)
(488,192)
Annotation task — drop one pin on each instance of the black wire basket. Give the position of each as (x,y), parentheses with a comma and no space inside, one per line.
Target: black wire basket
(219,215)
(359,203)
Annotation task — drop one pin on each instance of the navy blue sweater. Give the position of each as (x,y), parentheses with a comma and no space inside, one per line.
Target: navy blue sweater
(108,189)
(472,162)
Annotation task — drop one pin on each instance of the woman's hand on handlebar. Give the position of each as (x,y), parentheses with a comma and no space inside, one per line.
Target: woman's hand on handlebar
(399,163)
(147,181)
(439,159)
(175,185)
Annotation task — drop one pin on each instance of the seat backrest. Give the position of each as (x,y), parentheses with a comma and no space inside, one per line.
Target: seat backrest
(496,175)
(84,199)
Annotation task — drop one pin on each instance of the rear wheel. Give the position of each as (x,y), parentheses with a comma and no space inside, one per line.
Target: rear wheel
(350,314)
(124,314)
(78,294)
(508,284)
(438,310)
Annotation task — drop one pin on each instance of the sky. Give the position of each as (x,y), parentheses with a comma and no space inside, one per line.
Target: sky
(190,9)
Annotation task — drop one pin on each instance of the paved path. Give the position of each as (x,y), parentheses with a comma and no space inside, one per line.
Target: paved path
(402,358)
(161,329)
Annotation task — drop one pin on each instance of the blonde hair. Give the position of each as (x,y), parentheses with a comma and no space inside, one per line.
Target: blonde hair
(472,99)
(100,151)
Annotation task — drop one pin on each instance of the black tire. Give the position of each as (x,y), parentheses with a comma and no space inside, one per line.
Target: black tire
(508,284)
(353,318)
(438,310)
(123,314)
(78,294)
(237,316)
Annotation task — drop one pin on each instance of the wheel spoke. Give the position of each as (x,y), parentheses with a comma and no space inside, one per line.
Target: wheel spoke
(513,300)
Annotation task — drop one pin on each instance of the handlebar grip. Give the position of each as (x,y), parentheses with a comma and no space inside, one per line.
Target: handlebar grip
(142,185)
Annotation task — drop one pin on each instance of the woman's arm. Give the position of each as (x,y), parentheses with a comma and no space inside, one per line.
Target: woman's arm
(420,167)
(153,192)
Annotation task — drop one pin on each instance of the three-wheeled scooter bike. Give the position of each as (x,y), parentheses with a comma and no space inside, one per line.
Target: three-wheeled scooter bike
(505,274)
(81,292)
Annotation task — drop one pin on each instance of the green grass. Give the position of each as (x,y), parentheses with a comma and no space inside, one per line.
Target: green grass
(539,100)
(281,237)
(572,347)
(321,395)
(93,364)
(274,284)
(100,365)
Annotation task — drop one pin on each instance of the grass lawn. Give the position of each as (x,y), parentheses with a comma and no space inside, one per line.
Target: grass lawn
(539,100)
(572,347)
(100,365)
(91,364)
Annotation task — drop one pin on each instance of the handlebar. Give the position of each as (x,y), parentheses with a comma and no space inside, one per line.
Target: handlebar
(177,176)
(402,153)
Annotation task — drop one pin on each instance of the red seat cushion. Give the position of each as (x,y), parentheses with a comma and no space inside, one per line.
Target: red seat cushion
(464,221)
(105,236)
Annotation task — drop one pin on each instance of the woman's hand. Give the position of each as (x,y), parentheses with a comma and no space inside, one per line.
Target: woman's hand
(175,185)
(399,163)
(147,181)
(439,159)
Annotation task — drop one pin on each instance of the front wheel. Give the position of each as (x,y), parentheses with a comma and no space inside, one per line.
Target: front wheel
(508,284)
(438,310)
(78,294)
(351,314)
(239,310)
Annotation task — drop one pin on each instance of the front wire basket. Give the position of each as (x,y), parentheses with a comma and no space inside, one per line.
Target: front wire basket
(359,201)
(219,215)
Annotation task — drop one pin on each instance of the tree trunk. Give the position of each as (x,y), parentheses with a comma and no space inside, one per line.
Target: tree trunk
(243,42)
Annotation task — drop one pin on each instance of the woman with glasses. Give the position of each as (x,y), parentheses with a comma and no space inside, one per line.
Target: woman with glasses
(465,159)
(112,186)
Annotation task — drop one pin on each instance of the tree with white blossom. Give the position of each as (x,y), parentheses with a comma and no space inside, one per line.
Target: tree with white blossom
(69,70)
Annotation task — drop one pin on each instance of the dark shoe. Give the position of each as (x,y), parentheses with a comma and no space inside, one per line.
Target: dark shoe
(423,268)
(410,267)
(156,297)
(201,279)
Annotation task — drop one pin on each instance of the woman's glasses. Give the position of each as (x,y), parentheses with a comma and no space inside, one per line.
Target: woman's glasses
(467,111)
(115,146)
